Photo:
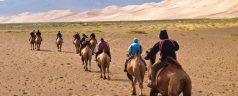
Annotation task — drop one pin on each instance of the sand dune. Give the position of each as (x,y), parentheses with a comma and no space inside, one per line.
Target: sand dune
(166,9)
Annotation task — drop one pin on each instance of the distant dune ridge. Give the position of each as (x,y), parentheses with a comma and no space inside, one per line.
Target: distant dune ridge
(166,9)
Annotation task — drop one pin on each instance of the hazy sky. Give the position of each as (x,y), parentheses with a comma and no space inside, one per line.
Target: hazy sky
(13,7)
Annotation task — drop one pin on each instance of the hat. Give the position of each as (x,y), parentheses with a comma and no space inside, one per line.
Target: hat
(163,34)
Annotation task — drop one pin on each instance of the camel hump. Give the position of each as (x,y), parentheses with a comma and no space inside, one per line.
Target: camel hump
(171,60)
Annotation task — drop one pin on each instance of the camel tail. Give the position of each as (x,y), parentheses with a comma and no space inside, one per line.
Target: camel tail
(140,75)
(187,90)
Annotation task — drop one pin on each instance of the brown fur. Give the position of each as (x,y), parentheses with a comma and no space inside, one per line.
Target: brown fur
(93,44)
(38,41)
(59,42)
(103,61)
(86,57)
(173,80)
(77,45)
(136,69)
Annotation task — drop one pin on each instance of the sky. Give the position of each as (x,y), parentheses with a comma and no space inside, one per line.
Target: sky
(14,7)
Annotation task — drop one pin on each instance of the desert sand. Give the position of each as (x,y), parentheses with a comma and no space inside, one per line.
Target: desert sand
(166,9)
(209,56)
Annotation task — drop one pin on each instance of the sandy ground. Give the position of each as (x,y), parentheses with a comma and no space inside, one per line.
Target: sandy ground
(210,57)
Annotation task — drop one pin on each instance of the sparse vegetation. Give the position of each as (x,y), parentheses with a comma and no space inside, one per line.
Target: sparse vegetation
(134,27)
(136,32)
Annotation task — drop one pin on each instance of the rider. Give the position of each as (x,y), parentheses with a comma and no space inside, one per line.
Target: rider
(32,34)
(132,49)
(76,36)
(167,48)
(83,39)
(84,44)
(59,35)
(103,45)
(93,36)
(38,33)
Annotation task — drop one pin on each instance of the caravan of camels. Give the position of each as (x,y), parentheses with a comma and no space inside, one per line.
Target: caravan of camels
(167,76)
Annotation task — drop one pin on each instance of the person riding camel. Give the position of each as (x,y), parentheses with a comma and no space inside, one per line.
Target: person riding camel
(93,36)
(103,45)
(83,39)
(32,35)
(59,35)
(167,48)
(76,36)
(132,49)
(84,44)
(38,33)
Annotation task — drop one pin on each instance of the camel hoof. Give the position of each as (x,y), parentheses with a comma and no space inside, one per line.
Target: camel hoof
(109,78)
(101,76)
(89,71)
(134,93)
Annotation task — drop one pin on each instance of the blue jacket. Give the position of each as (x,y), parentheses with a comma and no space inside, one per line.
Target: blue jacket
(134,47)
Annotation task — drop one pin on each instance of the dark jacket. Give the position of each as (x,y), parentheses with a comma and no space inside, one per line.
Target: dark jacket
(38,33)
(92,36)
(59,35)
(32,34)
(103,45)
(76,36)
(168,49)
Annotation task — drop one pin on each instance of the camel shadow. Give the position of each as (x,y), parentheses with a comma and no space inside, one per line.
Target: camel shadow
(67,52)
(45,50)
(95,71)
(120,80)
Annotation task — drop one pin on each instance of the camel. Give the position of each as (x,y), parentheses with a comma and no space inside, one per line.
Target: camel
(32,42)
(77,45)
(59,42)
(152,61)
(38,41)
(103,61)
(93,44)
(86,57)
(172,80)
(136,68)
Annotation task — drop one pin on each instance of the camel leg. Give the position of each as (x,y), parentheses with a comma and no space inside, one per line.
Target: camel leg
(108,73)
(89,61)
(134,87)
(83,63)
(60,47)
(101,71)
(141,87)
(77,51)
(104,73)
(39,46)
(33,46)
(86,65)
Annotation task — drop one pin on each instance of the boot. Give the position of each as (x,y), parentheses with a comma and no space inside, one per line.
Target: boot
(125,70)
(153,87)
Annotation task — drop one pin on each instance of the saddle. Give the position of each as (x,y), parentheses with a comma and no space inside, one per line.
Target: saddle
(158,74)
